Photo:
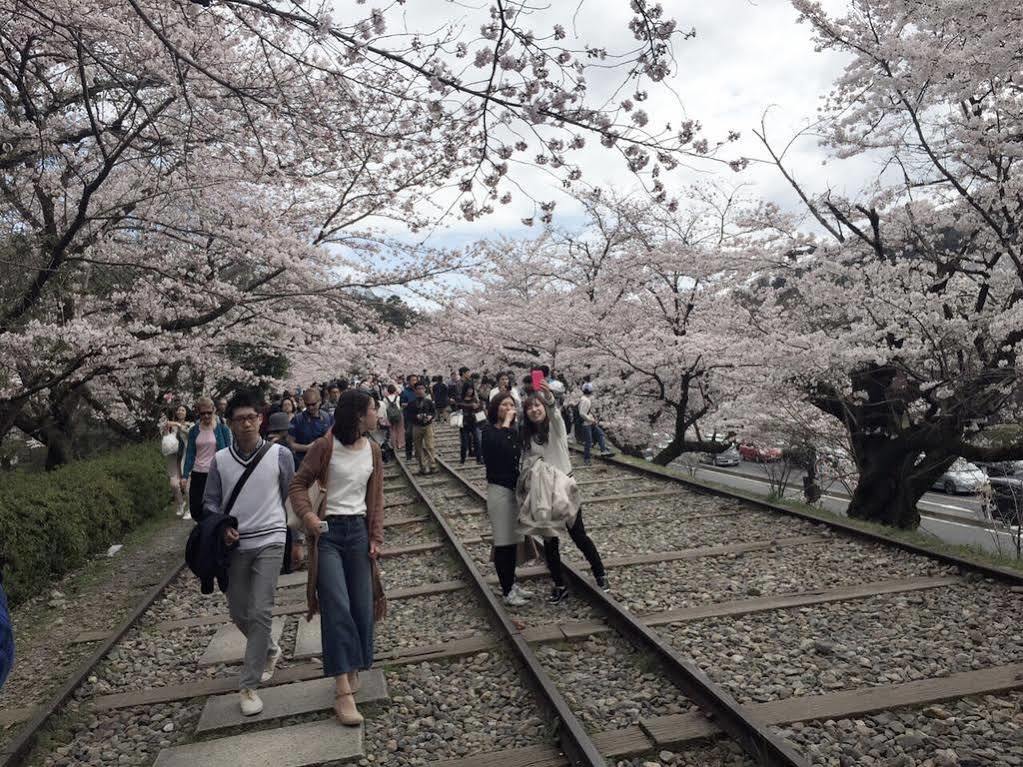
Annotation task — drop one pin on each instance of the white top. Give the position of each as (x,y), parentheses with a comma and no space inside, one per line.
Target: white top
(555,450)
(513,391)
(586,409)
(350,469)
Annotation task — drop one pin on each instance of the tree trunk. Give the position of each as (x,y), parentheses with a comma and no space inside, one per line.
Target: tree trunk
(893,478)
(59,449)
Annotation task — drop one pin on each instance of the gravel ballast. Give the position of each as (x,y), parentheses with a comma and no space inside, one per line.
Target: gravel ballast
(608,684)
(430,620)
(834,564)
(985,730)
(886,639)
(438,711)
(410,570)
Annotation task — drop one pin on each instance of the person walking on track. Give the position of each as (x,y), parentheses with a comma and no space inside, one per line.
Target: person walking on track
(422,413)
(469,434)
(545,438)
(345,534)
(502,451)
(204,439)
(249,481)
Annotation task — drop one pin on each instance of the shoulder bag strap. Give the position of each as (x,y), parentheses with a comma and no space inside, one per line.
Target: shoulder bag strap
(245,476)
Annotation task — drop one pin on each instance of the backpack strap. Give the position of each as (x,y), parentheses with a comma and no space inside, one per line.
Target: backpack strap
(246,474)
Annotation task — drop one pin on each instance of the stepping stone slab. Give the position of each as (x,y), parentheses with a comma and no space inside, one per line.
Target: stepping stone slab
(298,746)
(222,711)
(292,579)
(307,642)
(228,644)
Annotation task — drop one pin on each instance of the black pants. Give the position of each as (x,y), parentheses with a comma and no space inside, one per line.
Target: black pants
(408,440)
(504,563)
(196,490)
(583,542)
(467,444)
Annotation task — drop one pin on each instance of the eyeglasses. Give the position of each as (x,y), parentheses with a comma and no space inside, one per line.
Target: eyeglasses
(205,412)
(246,418)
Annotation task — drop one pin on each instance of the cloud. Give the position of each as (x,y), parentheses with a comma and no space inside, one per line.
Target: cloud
(746,59)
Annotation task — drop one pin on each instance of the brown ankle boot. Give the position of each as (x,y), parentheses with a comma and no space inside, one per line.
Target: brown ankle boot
(353,681)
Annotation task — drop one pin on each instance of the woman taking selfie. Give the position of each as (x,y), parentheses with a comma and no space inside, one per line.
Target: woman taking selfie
(501,448)
(544,437)
(344,536)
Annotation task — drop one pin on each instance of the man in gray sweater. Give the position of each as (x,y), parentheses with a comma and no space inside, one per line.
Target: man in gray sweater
(257,542)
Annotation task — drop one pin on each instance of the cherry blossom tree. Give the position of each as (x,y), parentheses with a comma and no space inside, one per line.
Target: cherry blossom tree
(178,178)
(637,301)
(903,320)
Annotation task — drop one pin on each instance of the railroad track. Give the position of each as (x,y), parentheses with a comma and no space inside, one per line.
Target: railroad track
(853,648)
(734,635)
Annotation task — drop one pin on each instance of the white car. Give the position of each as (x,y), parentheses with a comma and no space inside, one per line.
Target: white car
(961,477)
(730,457)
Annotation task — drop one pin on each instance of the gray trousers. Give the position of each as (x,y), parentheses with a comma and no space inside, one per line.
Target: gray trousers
(251,583)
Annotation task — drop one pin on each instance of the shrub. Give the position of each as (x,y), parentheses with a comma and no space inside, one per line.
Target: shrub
(52,522)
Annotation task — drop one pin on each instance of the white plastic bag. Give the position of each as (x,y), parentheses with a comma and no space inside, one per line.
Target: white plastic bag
(169,444)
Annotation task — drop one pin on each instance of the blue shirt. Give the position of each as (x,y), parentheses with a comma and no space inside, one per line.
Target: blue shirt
(408,395)
(305,430)
(6,639)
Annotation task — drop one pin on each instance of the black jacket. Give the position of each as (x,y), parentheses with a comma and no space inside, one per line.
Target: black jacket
(206,554)
(502,452)
(421,411)
(440,394)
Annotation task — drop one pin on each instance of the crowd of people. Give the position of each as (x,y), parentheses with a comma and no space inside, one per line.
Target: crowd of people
(297,481)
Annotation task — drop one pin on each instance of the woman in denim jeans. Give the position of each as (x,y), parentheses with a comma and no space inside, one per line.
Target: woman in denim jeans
(343,579)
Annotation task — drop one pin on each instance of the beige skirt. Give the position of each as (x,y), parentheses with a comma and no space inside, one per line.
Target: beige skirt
(503,511)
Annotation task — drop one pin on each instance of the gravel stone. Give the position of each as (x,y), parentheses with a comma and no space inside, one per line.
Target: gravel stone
(429,620)
(673,535)
(840,562)
(984,730)
(909,636)
(131,736)
(607,684)
(410,570)
(438,711)
(720,753)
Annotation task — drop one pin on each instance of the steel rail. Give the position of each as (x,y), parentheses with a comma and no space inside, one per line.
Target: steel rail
(756,739)
(1004,574)
(15,752)
(573,739)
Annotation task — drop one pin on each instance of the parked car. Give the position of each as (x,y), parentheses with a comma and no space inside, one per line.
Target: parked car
(1002,468)
(961,477)
(759,454)
(729,457)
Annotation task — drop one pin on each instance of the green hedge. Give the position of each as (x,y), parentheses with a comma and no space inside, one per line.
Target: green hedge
(52,522)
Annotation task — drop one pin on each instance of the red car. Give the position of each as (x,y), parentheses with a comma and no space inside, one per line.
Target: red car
(759,454)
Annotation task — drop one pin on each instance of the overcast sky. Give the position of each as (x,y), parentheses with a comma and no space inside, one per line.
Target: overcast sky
(747,58)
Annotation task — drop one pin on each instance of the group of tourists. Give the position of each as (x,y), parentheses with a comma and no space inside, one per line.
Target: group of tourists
(269,480)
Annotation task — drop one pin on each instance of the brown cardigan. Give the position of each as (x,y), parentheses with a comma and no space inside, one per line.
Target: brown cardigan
(315,467)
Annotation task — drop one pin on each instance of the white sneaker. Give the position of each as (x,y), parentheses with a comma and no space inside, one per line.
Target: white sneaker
(517,589)
(250,702)
(276,653)
(512,599)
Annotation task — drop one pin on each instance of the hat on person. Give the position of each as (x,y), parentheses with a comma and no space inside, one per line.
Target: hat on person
(587,388)
(278,422)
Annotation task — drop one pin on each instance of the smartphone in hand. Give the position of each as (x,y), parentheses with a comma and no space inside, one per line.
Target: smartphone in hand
(537,380)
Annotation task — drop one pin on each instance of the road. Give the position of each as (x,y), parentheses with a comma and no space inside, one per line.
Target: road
(954,519)
(967,506)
